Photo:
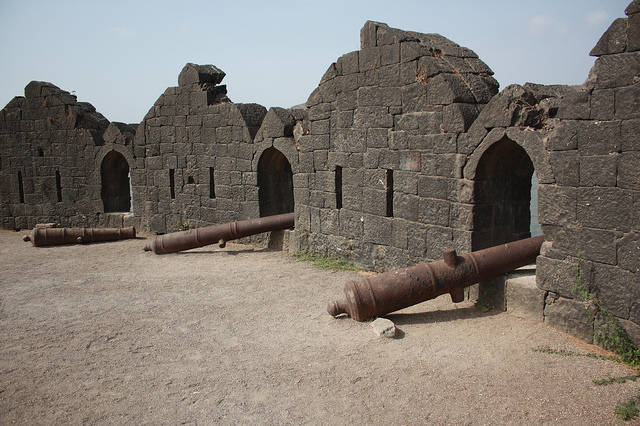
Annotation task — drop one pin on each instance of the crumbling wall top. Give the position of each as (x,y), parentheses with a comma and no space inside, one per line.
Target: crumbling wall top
(200,74)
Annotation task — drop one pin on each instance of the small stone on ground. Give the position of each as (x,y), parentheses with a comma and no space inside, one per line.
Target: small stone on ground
(384,327)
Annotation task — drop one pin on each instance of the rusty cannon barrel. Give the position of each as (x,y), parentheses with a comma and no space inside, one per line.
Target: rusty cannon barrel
(47,236)
(376,296)
(193,238)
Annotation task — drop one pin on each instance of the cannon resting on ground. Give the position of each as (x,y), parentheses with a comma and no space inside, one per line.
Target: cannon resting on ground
(49,236)
(376,296)
(199,237)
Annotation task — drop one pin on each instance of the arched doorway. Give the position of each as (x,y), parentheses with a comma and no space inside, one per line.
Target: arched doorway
(116,194)
(275,183)
(502,188)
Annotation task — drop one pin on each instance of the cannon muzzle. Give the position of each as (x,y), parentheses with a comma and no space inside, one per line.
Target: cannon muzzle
(199,237)
(376,296)
(46,236)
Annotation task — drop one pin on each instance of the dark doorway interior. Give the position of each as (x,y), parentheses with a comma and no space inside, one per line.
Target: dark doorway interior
(502,195)
(115,183)
(275,183)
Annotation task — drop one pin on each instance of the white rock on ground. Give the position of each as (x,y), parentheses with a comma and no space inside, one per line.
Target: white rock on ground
(384,327)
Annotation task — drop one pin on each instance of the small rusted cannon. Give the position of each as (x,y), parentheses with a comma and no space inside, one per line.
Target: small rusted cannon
(199,237)
(46,236)
(376,296)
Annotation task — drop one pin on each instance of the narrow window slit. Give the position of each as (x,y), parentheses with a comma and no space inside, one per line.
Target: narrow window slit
(20,187)
(389,187)
(58,186)
(172,183)
(212,187)
(338,187)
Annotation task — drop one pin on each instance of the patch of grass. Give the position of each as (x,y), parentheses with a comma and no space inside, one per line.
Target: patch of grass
(325,262)
(607,332)
(628,410)
(612,380)
(610,335)
(562,352)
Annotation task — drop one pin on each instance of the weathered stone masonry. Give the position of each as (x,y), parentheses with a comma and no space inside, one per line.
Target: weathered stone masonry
(52,151)
(385,120)
(405,148)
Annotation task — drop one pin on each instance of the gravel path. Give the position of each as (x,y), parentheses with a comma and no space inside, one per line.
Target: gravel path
(108,333)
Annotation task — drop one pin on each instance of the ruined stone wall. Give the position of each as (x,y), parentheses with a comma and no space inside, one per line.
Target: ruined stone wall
(592,210)
(405,148)
(51,147)
(379,171)
(196,150)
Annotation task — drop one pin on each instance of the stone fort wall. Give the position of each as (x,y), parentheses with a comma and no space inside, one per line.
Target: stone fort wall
(405,148)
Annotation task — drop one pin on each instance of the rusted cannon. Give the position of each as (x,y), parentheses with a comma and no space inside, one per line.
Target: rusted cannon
(376,296)
(45,236)
(199,237)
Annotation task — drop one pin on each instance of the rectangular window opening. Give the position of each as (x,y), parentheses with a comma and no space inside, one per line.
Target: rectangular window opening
(338,187)
(20,187)
(212,186)
(172,183)
(389,187)
(58,186)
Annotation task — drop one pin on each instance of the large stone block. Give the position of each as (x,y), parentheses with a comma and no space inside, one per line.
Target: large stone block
(350,140)
(615,288)
(605,208)
(461,216)
(524,298)
(194,73)
(378,230)
(438,239)
(377,138)
(629,170)
(632,329)
(405,181)
(434,212)
(330,221)
(603,104)
(628,102)
(633,33)
(351,223)
(417,242)
(570,316)
(564,277)
(630,130)
(557,204)
(599,137)
(352,197)
(615,70)
(457,118)
(378,96)
(592,244)
(374,201)
(420,122)
(348,63)
(405,206)
(599,170)
(435,187)
(614,40)
(629,252)
(564,136)
(445,89)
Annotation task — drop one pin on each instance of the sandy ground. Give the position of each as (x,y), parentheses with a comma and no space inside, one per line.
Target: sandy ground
(108,333)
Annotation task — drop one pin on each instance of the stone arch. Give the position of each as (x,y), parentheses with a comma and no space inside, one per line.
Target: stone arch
(115,182)
(530,141)
(275,183)
(502,181)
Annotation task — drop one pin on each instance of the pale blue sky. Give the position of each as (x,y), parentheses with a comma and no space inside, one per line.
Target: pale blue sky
(121,55)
